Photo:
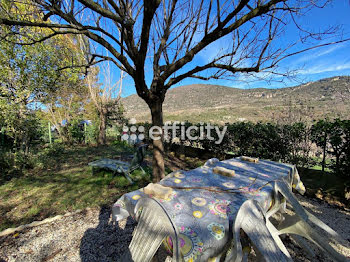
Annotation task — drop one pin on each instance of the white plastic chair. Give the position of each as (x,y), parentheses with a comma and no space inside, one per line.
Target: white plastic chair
(154,225)
(264,236)
(303,224)
(250,218)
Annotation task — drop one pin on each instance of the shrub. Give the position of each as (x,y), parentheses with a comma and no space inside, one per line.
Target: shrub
(48,155)
(91,133)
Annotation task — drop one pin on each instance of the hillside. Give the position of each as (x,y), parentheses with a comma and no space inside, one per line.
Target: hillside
(324,98)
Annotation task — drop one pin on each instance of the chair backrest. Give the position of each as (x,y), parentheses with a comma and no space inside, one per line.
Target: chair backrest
(154,225)
(139,155)
(250,219)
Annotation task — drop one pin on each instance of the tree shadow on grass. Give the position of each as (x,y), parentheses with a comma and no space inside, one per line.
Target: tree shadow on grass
(108,241)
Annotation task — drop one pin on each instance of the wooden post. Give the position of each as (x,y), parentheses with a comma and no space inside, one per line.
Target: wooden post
(50,137)
(85,132)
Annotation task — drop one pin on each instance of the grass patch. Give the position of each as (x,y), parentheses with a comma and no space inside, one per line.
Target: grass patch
(317,164)
(66,185)
(62,181)
(319,168)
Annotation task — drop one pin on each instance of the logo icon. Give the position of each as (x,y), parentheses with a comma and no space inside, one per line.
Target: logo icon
(133,133)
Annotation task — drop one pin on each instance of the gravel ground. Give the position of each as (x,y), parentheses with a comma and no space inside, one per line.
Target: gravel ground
(91,236)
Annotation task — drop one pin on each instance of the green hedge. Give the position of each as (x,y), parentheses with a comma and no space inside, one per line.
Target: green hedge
(296,143)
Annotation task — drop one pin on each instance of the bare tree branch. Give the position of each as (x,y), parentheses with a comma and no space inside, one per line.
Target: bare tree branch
(218,33)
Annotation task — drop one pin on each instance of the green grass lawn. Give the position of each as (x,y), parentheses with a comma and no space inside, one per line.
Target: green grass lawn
(319,168)
(66,185)
(62,181)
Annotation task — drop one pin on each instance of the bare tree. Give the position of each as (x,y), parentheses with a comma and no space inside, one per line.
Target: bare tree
(105,98)
(63,105)
(160,41)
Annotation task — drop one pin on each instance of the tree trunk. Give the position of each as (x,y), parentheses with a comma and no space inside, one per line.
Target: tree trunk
(337,163)
(102,127)
(324,152)
(158,147)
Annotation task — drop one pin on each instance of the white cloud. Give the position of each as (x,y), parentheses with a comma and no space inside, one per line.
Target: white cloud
(322,51)
(329,50)
(322,68)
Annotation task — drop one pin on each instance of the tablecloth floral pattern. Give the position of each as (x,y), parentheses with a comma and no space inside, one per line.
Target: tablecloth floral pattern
(203,217)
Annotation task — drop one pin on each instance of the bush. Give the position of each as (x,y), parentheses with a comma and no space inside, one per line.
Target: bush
(48,155)
(4,164)
(14,163)
(75,131)
(91,133)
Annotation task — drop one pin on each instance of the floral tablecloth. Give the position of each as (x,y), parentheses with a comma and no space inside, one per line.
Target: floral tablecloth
(203,217)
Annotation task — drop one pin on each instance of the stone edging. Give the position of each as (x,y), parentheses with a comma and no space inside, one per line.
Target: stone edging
(38,223)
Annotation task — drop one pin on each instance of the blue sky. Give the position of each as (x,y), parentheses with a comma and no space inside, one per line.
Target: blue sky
(316,64)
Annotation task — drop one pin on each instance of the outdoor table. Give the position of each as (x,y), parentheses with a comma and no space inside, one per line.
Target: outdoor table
(204,217)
